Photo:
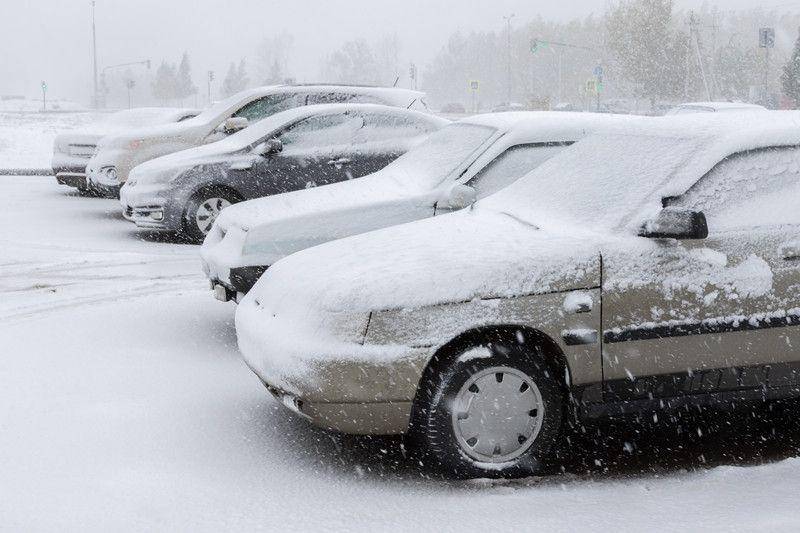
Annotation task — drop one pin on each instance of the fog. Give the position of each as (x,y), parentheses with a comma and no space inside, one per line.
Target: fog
(51,39)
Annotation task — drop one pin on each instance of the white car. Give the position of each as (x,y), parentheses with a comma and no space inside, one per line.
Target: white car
(117,155)
(457,165)
(648,271)
(72,151)
(713,107)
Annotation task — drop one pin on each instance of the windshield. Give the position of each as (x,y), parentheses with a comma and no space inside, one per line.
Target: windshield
(212,113)
(136,118)
(430,163)
(597,183)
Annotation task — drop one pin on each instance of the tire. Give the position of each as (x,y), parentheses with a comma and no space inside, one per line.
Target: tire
(202,210)
(464,427)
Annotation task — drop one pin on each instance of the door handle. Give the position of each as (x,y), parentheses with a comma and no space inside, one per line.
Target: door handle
(339,162)
(791,251)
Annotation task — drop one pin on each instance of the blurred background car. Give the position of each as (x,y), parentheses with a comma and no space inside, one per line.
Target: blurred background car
(713,107)
(301,148)
(116,156)
(72,151)
(457,165)
(453,108)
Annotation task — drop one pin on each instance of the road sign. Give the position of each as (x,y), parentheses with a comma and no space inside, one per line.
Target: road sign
(766,38)
(539,44)
(474,86)
(598,71)
(592,86)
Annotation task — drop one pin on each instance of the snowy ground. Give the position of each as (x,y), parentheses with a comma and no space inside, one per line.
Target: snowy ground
(124,406)
(26,139)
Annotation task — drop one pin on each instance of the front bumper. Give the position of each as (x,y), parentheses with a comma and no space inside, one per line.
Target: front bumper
(388,418)
(72,179)
(151,209)
(344,386)
(240,281)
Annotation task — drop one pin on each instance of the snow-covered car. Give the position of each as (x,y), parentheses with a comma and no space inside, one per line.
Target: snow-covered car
(72,151)
(640,271)
(117,155)
(302,148)
(465,161)
(713,107)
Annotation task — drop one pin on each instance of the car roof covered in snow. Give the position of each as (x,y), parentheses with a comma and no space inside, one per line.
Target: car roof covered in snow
(719,106)
(261,129)
(548,126)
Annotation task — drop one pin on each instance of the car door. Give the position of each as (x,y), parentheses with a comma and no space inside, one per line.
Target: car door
(383,137)
(714,315)
(306,158)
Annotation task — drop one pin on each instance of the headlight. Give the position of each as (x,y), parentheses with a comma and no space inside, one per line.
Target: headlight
(111,173)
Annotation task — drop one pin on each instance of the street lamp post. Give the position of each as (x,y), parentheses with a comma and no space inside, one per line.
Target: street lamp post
(94,54)
(508,50)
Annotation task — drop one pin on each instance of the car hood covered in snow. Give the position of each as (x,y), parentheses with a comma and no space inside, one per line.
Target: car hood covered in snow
(457,257)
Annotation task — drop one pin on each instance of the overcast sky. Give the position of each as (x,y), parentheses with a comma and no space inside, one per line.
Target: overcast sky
(51,39)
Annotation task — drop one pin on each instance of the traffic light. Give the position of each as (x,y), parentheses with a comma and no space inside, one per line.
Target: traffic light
(44,86)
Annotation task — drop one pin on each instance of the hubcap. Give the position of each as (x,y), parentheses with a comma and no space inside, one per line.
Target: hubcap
(208,211)
(497,415)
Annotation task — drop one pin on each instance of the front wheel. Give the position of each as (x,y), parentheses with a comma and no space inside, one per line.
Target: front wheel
(497,411)
(203,210)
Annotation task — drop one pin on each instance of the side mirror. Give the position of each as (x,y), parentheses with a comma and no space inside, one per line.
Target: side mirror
(460,196)
(269,147)
(234,124)
(676,223)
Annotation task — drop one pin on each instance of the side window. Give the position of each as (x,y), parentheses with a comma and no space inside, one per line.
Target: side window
(379,127)
(511,165)
(760,188)
(266,106)
(321,130)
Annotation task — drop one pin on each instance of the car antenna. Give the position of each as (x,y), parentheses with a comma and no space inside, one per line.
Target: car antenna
(396,81)
(414,101)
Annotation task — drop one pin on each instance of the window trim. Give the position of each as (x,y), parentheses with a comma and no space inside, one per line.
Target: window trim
(545,144)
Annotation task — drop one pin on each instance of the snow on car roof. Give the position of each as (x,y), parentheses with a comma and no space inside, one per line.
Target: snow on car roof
(723,105)
(543,126)
(606,179)
(263,128)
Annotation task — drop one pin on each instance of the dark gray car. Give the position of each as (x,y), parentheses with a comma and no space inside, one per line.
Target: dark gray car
(301,148)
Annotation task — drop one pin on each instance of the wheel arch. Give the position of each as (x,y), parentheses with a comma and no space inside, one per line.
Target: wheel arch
(448,353)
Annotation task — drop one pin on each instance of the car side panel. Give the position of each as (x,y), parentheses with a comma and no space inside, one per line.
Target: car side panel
(576,333)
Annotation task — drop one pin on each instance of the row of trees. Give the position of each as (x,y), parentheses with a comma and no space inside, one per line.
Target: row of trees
(647,50)
(173,83)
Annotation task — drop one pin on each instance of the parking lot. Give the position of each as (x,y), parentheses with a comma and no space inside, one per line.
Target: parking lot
(124,405)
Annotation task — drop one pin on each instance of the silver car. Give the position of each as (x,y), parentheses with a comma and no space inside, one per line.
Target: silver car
(456,166)
(72,151)
(643,271)
(117,155)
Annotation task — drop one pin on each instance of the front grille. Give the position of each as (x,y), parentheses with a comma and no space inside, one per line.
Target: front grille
(86,151)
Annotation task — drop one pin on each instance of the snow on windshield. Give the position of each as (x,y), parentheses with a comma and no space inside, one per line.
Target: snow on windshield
(596,183)
(211,114)
(430,163)
(136,118)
